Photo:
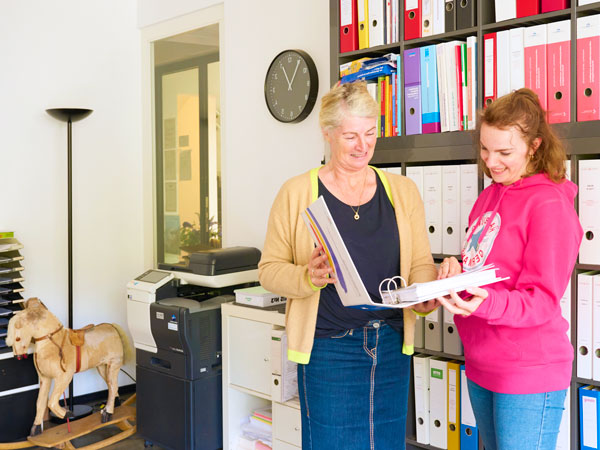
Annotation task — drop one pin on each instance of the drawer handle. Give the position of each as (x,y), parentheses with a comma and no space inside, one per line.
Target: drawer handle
(296,428)
(266,358)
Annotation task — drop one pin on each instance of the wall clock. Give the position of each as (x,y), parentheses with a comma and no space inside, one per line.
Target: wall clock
(291,86)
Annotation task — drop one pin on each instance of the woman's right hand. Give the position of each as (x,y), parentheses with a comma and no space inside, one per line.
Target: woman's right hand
(318,268)
(449,267)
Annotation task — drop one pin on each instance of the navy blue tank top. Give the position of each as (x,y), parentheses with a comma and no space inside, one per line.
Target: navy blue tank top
(374,246)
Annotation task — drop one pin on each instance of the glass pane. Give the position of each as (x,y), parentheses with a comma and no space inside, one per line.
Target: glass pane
(188,144)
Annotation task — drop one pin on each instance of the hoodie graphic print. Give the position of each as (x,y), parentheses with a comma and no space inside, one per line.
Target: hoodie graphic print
(516,341)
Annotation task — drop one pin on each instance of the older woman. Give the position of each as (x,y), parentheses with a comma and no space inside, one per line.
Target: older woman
(354,368)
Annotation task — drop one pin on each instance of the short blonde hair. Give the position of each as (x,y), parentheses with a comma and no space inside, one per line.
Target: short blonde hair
(346,99)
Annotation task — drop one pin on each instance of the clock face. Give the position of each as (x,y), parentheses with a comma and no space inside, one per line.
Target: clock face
(291,86)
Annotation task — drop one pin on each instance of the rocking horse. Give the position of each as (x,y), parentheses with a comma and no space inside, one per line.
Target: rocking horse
(59,353)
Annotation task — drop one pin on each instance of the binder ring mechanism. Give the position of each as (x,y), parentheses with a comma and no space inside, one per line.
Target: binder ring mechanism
(388,295)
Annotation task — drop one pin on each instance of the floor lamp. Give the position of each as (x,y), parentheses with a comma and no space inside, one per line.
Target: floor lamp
(71,115)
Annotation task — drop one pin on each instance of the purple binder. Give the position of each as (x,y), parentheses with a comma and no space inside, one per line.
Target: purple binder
(412,91)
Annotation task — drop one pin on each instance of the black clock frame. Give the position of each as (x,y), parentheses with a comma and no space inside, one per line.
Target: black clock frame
(314,86)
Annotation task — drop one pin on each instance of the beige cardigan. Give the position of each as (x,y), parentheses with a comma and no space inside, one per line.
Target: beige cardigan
(283,268)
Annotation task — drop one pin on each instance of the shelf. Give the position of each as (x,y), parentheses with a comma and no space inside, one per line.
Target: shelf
(425,351)
(437,38)
(587,267)
(377,50)
(553,16)
(586,381)
(591,8)
(413,441)
(451,146)
(250,392)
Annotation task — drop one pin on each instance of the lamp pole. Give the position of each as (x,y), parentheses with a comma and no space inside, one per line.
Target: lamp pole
(70,115)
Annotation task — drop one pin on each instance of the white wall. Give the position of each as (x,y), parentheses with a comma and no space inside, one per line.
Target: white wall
(73,53)
(85,53)
(259,153)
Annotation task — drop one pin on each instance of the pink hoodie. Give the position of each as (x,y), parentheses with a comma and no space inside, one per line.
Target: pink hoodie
(516,341)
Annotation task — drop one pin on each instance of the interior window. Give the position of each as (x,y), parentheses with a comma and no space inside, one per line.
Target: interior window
(188,143)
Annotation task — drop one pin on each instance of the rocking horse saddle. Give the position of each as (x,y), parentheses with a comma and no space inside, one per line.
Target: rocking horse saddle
(77,337)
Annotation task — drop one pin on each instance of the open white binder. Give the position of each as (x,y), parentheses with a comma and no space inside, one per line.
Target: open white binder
(349,285)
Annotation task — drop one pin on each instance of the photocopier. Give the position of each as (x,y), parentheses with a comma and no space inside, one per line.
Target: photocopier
(174,316)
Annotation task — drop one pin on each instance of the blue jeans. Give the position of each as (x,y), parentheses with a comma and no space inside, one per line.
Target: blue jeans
(517,421)
(354,391)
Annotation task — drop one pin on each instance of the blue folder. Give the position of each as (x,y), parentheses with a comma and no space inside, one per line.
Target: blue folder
(469,434)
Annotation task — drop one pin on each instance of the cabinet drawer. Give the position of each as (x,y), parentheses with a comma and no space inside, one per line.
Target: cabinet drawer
(287,424)
(280,445)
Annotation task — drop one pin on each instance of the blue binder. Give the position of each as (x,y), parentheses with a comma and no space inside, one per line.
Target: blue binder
(469,434)
(430,103)
(589,399)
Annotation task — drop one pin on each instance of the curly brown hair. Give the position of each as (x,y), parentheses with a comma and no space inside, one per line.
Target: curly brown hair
(522,109)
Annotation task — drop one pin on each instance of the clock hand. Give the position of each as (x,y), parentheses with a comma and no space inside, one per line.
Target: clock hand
(287,79)
(294,75)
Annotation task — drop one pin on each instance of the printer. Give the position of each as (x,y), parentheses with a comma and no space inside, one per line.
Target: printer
(174,316)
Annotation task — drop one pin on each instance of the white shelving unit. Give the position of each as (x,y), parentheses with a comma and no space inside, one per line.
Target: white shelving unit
(247,375)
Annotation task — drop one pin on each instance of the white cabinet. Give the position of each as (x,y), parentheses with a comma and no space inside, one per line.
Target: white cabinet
(250,354)
(247,375)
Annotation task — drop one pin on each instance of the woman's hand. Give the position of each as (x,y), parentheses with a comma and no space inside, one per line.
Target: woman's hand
(426,307)
(318,269)
(464,307)
(449,267)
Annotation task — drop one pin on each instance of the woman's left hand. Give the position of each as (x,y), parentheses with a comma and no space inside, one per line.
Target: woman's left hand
(465,308)
(426,307)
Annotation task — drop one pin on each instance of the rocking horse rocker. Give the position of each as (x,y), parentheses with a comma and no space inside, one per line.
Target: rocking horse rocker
(59,353)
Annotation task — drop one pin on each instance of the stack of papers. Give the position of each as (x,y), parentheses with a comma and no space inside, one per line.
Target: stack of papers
(257,430)
(402,297)
(257,296)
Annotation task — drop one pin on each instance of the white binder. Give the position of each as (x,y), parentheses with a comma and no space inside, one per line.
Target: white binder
(433,330)
(438,401)
(517,59)
(415,173)
(506,9)
(584,324)
(421,379)
(589,210)
(487,181)
(432,198)
(427,17)
(596,327)
(420,332)
(439,18)
(376,23)
(503,62)
(468,195)
(451,340)
(565,307)
(451,210)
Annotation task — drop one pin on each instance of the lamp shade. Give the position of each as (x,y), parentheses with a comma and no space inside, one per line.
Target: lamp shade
(65,114)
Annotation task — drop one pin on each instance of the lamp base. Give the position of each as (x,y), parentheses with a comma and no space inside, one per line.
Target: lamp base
(79,412)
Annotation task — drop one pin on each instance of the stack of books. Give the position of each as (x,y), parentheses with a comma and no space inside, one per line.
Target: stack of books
(381,75)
